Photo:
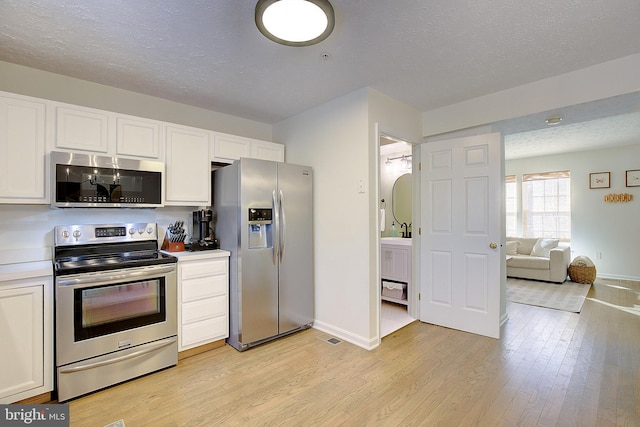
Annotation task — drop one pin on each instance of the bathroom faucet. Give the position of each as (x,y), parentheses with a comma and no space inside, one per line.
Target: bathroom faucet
(405,233)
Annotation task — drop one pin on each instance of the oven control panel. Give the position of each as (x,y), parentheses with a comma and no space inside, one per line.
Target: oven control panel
(67,235)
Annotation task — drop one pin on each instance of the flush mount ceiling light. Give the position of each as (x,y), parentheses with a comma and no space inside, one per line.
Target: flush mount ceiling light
(553,120)
(295,22)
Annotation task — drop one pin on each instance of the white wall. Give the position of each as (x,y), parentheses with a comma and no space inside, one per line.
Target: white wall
(27,231)
(42,84)
(333,139)
(338,139)
(600,81)
(612,229)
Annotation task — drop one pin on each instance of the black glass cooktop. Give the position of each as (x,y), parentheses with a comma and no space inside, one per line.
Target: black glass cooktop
(92,258)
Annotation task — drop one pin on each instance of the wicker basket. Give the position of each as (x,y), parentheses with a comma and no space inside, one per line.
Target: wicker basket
(582,274)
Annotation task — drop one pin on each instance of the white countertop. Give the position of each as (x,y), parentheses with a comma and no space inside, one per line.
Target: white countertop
(395,241)
(216,253)
(25,270)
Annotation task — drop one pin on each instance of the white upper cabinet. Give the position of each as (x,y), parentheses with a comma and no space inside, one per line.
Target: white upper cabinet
(22,150)
(79,128)
(103,132)
(227,148)
(188,176)
(31,127)
(267,151)
(137,137)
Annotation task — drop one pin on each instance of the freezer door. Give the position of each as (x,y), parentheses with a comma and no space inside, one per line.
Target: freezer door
(257,263)
(295,195)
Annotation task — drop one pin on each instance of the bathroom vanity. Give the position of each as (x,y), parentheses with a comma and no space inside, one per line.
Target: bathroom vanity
(395,253)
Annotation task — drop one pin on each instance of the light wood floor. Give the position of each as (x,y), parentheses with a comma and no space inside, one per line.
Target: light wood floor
(551,368)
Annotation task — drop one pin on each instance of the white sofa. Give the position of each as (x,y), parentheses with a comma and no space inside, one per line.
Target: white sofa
(538,259)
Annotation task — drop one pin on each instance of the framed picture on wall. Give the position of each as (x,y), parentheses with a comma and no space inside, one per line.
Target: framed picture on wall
(600,180)
(633,178)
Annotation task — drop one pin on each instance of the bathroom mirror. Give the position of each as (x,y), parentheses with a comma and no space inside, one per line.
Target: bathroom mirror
(401,199)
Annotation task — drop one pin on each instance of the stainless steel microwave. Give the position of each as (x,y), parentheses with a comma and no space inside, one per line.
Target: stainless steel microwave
(85,180)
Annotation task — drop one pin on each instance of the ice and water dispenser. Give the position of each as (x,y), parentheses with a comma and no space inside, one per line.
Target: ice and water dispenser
(260,228)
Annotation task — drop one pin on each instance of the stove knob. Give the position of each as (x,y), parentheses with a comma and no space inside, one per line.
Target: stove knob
(149,230)
(132,231)
(140,230)
(65,234)
(76,234)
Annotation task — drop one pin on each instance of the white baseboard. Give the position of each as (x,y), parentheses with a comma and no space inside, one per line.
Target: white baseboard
(616,277)
(367,344)
(503,319)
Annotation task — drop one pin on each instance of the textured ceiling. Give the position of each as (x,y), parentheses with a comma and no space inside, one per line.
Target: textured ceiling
(209,54)
(607,123)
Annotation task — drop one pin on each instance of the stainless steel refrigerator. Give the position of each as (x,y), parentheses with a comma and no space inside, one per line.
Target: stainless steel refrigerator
(263,216)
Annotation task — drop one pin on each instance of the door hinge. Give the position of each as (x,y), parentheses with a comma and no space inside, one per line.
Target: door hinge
(419,296)
(419,166)
(419,231)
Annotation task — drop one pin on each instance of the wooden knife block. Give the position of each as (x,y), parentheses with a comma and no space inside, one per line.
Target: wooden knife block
(172,246)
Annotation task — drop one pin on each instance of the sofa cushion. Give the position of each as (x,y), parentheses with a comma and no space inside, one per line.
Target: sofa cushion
(543,247)
(526,244)
(512,247)
(524,261)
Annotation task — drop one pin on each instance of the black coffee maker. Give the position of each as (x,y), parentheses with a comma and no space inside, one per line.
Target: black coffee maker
(202,238)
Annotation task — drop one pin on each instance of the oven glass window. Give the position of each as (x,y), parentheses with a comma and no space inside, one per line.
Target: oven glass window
(113,308)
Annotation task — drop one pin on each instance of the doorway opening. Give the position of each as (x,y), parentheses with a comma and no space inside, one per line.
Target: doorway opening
(396,231)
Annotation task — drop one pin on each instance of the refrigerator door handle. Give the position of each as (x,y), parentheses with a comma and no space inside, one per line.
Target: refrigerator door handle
(283,227)
(276,225)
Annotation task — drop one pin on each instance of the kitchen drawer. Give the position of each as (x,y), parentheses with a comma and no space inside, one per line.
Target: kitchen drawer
(204,309)
(204,287)
(204,331)
(195,269)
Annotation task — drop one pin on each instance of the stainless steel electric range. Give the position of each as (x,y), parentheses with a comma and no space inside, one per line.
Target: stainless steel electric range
(116,303)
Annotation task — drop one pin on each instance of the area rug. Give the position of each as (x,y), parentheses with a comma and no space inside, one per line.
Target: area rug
(567,296)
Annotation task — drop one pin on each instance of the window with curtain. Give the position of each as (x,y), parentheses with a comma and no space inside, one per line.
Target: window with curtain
(511,205)
(546,205)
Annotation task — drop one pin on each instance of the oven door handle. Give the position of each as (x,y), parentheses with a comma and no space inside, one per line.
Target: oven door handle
(112,276)
(148,349)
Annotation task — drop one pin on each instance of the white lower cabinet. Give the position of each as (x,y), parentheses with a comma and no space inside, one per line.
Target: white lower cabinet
(395,269)
(26,328)
(203,297)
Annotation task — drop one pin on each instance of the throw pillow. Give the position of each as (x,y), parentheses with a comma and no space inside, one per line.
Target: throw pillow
(512,247)
(543,247)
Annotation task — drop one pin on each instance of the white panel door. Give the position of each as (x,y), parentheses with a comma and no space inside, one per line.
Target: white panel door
(461,209)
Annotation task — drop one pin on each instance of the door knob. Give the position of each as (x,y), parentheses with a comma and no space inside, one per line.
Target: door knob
(493,245)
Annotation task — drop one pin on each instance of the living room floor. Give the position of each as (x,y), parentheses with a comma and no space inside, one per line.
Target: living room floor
(550,367)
